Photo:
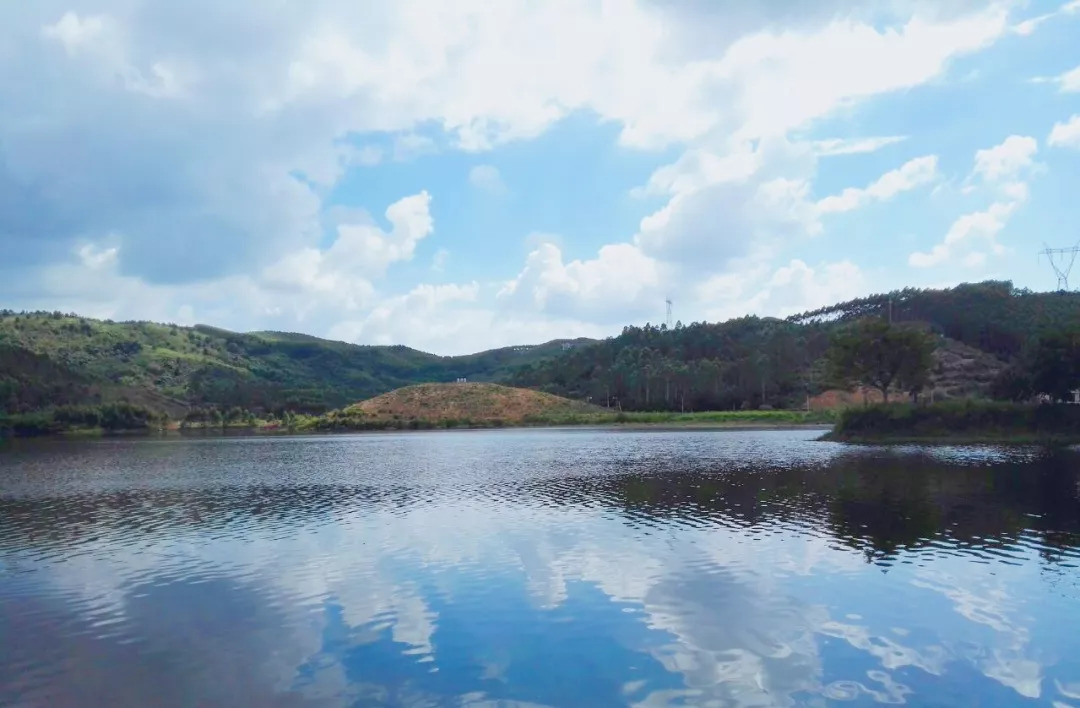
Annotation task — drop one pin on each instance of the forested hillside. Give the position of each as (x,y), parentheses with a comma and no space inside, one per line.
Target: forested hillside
(751,361)
(206,374)
(51,359)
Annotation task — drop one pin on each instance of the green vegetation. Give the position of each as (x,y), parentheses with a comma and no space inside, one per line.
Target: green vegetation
(751,362)
(51,359)
(108,417)
(959,422)
(1049,366)
(207,377)
(430,406)
(876,354)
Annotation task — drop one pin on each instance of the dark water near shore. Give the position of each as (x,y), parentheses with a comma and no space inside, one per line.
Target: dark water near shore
(584,568)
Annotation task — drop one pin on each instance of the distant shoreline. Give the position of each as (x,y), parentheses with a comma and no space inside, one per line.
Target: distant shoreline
(268,431)
(946,439)
(959,423)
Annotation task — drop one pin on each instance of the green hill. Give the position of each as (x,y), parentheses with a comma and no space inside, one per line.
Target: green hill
(750,361)
(209,375)
(49,359)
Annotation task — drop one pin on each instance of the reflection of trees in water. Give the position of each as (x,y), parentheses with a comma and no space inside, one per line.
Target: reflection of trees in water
(879,502)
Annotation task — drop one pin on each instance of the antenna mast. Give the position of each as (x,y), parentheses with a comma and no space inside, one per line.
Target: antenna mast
(669,306)
(1062,261)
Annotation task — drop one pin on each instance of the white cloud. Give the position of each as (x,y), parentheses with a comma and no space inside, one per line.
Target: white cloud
(1069,82)
(456,319)
(343,272)
(620,284)
(788,79)
(75,32)
(729,201)
(285,108)
(368,249)
(790,289)
(1028,27)
(854,146)
(487,179)
(98,40)
(967,233)
(1066,134)
(972,238)
(97,257)
(1006,160)
(912,174)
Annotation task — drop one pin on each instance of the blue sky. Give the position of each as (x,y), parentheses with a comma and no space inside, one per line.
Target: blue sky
(458,176)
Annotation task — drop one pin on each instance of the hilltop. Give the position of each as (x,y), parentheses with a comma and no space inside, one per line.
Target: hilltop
(447,405)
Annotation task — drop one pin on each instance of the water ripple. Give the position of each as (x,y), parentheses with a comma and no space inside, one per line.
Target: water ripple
(742,568)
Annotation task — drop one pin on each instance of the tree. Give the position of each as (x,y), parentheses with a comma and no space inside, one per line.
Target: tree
(1013,383)
(1055,364)
(878,354)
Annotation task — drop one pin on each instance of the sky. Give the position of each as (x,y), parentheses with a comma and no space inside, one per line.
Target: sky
(467,175)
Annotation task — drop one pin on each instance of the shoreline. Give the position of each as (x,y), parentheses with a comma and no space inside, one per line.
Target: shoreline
(954,439)
(256,431)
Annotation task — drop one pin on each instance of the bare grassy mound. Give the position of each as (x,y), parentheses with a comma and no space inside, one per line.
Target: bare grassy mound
(467,403)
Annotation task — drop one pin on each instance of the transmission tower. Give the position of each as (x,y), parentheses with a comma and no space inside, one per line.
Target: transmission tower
(669,306)
(1062,261)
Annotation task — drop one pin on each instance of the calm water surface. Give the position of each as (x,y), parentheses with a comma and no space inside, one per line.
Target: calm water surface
(586,568)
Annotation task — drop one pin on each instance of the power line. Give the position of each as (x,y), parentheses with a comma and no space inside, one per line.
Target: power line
(1062,261)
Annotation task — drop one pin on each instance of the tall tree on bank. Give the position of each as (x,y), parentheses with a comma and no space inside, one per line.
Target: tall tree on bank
(877,354)
(1050,367)
(1055,365)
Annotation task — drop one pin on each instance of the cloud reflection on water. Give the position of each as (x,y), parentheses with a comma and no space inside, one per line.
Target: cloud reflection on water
(648,587)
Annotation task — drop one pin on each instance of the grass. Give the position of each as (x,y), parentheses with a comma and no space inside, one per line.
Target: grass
(447,406)
(960,422)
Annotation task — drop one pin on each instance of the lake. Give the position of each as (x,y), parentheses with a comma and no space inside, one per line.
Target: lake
(536,567)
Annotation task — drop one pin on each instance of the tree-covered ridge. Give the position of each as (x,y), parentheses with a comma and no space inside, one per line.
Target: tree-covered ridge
(739,363)
(750,361)
(53,359)
(992,316)
(206,374)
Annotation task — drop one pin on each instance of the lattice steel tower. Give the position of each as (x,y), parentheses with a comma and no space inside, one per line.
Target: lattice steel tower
(1062,261)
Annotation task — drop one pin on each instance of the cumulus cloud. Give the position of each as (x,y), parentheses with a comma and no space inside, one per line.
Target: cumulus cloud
(790,289)
(1066,134)
(361,252)
(912,174)
(620,283)
(1006,160)
(969,232)
(456,318)
(728,202)
(1002,170)
(202,146)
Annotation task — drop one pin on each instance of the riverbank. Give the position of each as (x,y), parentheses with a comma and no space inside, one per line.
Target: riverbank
(629,421)
(959,423)
(335,422)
